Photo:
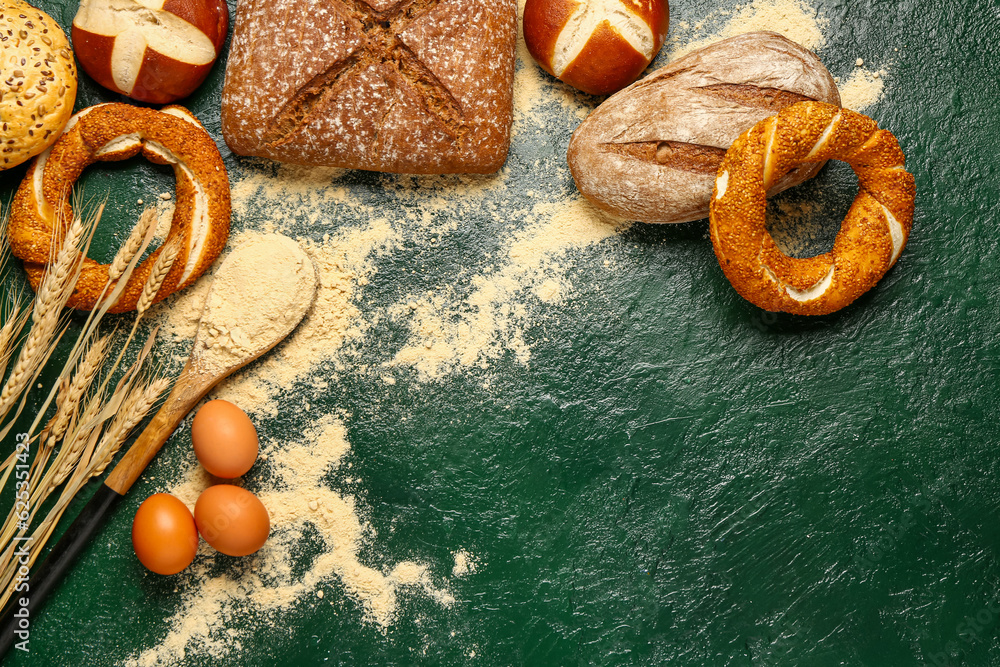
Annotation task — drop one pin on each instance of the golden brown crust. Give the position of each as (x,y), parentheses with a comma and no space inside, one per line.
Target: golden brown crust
(871,237)
(172,136)
(38,87)
(607,63)
(606,60)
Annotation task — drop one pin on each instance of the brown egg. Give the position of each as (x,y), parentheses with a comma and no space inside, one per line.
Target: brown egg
(224,439)
(232,520)
(164,535)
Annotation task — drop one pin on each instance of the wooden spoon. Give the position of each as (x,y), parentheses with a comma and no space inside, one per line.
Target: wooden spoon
(228,338)
(269,318)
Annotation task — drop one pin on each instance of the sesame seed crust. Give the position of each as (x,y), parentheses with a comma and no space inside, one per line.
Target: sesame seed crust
(37,81)
(111,132)
(871,237)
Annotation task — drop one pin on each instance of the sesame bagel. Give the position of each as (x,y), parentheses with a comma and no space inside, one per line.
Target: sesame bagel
(111,132)
(871,237)
(37,82)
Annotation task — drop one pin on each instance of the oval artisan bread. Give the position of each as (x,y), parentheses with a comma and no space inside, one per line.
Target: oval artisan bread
(413,87)
(597,46)
(37,82)
(651,151)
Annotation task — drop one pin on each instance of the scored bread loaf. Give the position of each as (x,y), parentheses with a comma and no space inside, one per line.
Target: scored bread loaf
(410,86)
(650,152)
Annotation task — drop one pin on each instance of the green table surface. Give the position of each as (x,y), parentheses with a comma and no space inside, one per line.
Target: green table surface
(676,477)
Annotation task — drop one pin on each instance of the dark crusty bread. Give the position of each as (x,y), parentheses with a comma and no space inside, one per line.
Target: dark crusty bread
(412,86)
(650,152)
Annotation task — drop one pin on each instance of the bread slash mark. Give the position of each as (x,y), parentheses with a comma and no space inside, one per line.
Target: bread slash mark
(758,97)
(295,112)
(674,154)
(435,98)
(380,44)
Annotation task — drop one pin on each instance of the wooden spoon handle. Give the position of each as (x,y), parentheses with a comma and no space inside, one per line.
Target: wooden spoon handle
(190,387)
(52,569)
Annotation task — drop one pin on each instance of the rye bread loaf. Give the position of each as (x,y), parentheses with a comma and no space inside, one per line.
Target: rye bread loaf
(410,86)
(651,151)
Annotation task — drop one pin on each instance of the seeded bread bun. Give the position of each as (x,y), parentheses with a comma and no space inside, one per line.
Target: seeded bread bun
(37,82)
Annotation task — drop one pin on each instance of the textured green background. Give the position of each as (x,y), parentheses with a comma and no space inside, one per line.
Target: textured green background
(678,477)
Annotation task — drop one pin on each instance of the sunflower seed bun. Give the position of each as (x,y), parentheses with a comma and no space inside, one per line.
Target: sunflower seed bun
(37,82)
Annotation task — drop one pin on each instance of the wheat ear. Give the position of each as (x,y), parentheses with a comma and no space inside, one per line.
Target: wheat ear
(132,244)
(50,298)
(80,432)
(138,405)
(73,446)
(69,398)
(159,272)
(162,266)
(4,244)
(14,317)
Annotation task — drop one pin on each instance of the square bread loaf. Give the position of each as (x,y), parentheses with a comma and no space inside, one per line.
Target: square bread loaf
(409,86)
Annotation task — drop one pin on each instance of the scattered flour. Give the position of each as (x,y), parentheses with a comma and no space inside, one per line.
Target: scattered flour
(465,564)
(863,88)
(795,19)
(448,335)
(468,319)
(210,620)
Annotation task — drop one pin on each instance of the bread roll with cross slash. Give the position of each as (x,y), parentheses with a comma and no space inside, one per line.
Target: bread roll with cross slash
(597,46)
(155,51)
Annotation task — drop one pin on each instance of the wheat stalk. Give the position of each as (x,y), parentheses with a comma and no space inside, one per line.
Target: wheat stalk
(132,245)
(92,456)
(81,440)
(75,444)
(43,530)
(141,400)
(165,262)
(68,400)
(50,298)
(106,299)
(161,267)
(4,245)
(14,317)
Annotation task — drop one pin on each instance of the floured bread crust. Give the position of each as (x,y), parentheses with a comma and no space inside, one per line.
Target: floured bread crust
(37,82)
(417,86)
(651,151)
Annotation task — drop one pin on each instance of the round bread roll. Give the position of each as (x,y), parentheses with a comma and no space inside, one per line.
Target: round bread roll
(597,46)
(38,86)
(155,51)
